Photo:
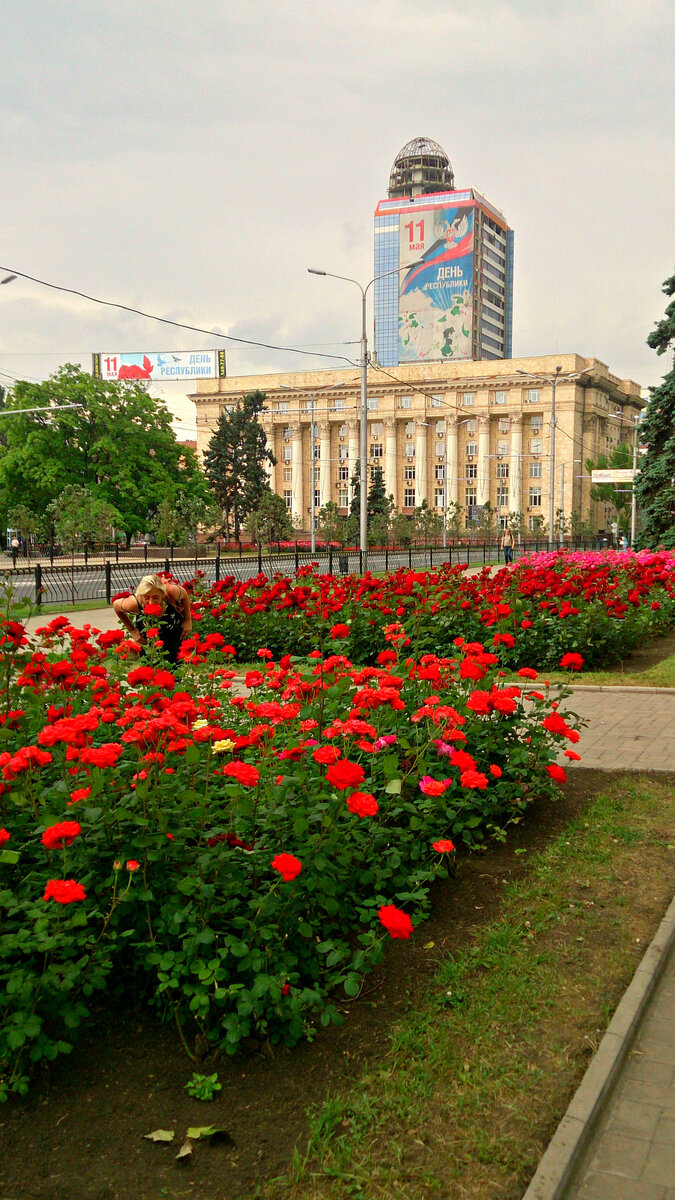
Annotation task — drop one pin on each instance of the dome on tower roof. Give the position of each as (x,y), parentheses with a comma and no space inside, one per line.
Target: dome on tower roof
(422,166)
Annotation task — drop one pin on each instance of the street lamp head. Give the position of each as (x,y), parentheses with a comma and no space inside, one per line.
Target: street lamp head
(315,271)
(7,279)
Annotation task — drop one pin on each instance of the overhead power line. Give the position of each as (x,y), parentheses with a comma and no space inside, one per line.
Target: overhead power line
(176,324)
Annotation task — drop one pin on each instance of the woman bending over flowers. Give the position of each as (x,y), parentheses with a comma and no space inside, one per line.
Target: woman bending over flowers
(160,605)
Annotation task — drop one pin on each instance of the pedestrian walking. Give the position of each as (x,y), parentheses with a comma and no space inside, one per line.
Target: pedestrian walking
(507,546)
(15,550)
(157,604)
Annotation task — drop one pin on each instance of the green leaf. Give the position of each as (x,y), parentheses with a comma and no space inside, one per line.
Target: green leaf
(160,1135)
(352,985)
(394,787)
(9,857)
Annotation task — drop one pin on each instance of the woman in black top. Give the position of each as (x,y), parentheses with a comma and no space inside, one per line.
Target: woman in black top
(173,623)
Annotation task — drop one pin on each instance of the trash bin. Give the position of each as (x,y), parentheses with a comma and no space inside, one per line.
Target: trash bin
(344,564)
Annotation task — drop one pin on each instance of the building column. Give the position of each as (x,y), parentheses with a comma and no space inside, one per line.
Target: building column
(353,444)
(390,457)
(516,465)
(324,462)
(298,503)
(270,470)
(483,492)
(420,463)
(451,455)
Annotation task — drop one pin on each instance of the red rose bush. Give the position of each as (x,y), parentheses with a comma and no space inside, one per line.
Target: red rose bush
(239,860)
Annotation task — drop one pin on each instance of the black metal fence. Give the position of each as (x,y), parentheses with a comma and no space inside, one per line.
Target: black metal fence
(65,582)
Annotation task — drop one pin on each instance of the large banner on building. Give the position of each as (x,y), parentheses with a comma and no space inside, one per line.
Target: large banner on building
(435,311)
(164,366)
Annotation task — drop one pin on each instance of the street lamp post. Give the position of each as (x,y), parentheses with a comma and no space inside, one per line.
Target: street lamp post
(363,439)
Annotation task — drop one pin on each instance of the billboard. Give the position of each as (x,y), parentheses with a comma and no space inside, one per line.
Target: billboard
(612,475)
(435,310)
(165,366)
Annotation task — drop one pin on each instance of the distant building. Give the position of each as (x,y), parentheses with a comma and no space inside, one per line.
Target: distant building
(447,261)
(449,433)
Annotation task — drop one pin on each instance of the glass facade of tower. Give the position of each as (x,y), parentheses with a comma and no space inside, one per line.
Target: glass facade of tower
(447,291)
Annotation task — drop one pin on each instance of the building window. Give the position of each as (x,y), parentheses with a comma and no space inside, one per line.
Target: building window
(535,470)
(288,432)
(410,429)
(502,470)
(409,498)
(502,447)
(502,497)
(535,497)
(439,498)
(343,497)
(288,474)
(287,453)
(472,471)
(436,401)
(343,474)
(500,397)
(440,452)
(471,448)
(536,424)
(467,399)
(376,429)
(372,403)
(338,404)
(470,497)
(535,445)
(409,451)
(504,424)
(439,471)
(376,450)
(317,450)
(343,453)
(405,402)
(534,395)
(440,429)
(317,498)
(282,407)
(471,425)
(408,472)
(288,498)
(317,474)
(342,431)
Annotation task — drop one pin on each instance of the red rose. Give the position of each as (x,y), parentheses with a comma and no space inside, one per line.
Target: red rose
(79,794)
(396,922)
(556,773)
(60,835)
(527,673)
(152,610)
(444,846)
(339,631)
(571,662)
(132,865)
(326,755)
(287,865)
(495,770)
(345,774)
(5,835)
(244,773)
(473,779)
(64,891)
(363,804)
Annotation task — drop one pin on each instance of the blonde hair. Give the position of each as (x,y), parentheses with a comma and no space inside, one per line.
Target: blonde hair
(149,584)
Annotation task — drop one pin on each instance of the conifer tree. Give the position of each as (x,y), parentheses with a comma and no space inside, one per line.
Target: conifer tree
(235,458)
(655,485)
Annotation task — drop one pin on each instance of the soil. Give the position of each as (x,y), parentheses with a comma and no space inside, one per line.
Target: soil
(79,1135)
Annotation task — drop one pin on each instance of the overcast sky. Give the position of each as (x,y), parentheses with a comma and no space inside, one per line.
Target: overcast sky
(192,159)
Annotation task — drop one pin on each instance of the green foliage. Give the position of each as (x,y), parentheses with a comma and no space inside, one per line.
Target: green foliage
(119,444)
(79,518)
(203,1087)
(235,458)
(178,523)
(270,521)
(609,493)
(427,524)
(331,524)
(655,485)
(661,338)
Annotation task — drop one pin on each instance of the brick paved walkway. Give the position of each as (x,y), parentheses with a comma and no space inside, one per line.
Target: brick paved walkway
(630,729)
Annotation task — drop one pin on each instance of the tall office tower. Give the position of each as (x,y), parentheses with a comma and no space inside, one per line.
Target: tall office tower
(447,261)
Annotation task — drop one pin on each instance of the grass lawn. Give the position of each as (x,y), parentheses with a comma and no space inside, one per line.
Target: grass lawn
(659,675)
(477,1077)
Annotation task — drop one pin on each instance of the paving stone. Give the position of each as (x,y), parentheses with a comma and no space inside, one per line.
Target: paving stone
(635,1119)
(618,1154)
(609,1187)
(660,1165)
